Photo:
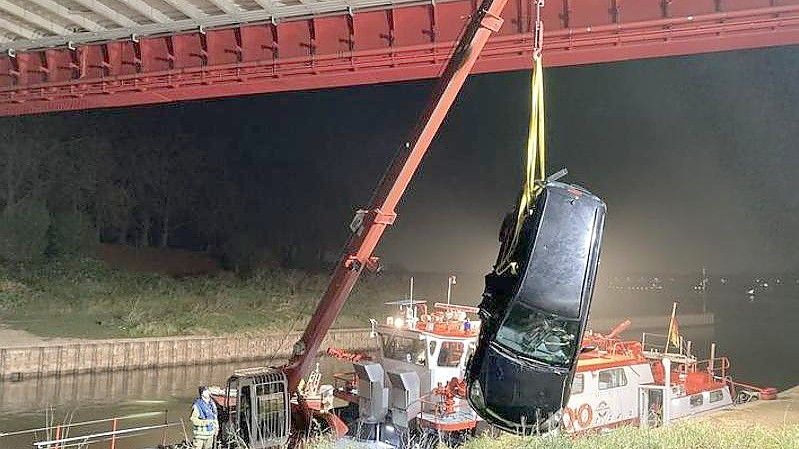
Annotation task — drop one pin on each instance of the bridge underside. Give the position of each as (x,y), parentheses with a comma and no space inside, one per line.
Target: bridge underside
(404,42)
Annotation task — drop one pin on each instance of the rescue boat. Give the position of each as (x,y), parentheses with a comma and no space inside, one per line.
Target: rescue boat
(415,382)
(648,383)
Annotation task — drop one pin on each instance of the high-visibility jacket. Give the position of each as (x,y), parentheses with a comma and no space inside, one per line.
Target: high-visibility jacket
(204,419)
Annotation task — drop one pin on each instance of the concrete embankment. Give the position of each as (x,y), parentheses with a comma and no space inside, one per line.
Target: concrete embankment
(82,356)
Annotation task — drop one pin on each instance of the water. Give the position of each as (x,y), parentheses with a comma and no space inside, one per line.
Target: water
(756,333)
(759,334)
(25,404)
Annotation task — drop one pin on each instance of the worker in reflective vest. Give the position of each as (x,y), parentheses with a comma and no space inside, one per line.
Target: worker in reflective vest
(204,421)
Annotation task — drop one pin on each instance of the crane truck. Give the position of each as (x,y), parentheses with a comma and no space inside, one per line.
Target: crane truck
(262,406)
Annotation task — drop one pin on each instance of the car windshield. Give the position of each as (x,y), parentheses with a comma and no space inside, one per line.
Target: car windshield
(536,335)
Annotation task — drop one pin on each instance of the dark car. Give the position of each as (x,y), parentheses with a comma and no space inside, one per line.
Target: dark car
(534,312)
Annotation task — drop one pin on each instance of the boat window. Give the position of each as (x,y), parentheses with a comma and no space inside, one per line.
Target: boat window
(433,344)
(578,384)
(696,400)
(612,378)
(407,349)
(539,336)
(450,354)
(716,396)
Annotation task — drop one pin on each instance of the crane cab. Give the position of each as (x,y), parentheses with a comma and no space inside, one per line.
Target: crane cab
(254,409)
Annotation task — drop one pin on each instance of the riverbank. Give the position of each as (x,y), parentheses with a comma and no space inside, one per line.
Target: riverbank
(756,425)
(688,435)
(37,357)
(781,411)
(90,299)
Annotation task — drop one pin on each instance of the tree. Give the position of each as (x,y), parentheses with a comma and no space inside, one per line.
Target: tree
(23,230)
(71,232)
(24,164)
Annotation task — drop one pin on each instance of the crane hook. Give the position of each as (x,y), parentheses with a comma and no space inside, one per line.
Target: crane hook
(538,33)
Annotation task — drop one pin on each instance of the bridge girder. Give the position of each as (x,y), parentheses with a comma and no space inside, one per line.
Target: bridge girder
(406,42)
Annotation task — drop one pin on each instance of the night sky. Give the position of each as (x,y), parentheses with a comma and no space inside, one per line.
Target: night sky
(695,156)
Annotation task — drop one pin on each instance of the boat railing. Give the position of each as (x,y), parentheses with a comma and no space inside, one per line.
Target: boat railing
(342,381)
(612,346)
(717,367)
(62,436)
(659,344)
(437,405)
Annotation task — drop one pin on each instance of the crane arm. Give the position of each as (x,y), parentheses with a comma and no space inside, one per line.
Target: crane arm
(369,225)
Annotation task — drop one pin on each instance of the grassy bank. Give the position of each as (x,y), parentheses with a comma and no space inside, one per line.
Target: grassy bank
(681,436)
(87,298)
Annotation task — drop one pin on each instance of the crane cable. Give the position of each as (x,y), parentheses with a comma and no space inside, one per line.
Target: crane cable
(535,169)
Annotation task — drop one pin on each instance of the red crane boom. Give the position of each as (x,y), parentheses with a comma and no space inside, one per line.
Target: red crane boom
(369,225)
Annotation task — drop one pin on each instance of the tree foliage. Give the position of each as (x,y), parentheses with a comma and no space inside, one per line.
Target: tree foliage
(71,233)
(23,230)
(198,188)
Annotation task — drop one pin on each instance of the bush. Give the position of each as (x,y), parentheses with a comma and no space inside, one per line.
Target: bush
(23,231)
(12,294)
(71,233)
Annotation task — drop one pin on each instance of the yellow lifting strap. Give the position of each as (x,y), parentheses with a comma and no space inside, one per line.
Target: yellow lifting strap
(535,170)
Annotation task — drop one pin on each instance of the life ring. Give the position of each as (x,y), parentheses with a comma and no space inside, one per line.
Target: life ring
(584,415)
(567,419)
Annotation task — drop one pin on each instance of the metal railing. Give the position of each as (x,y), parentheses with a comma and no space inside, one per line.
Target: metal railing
(718,367)
(660,344)
(57,435)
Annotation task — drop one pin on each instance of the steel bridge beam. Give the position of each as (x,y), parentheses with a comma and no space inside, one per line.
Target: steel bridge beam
(376,46)
(19,30)
(147,11)
(65,13)
(107,12)
(227,6)
(188,9)
(31,17)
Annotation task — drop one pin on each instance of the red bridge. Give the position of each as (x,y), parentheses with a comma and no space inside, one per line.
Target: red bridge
(79,54)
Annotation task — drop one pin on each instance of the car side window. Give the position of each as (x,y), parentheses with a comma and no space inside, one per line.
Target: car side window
(450,353)
(578,384)
(612,378)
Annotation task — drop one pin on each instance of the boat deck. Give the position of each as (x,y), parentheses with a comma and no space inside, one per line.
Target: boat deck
(589,362)
(459,420)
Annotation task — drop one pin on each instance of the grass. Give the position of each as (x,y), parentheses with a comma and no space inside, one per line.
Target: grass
(689,435)
(681,436)
(85,298)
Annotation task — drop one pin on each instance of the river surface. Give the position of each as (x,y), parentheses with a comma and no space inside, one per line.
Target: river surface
(756,334)
(155,394)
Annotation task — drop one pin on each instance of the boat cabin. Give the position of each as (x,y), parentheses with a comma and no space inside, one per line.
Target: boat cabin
(436,344)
